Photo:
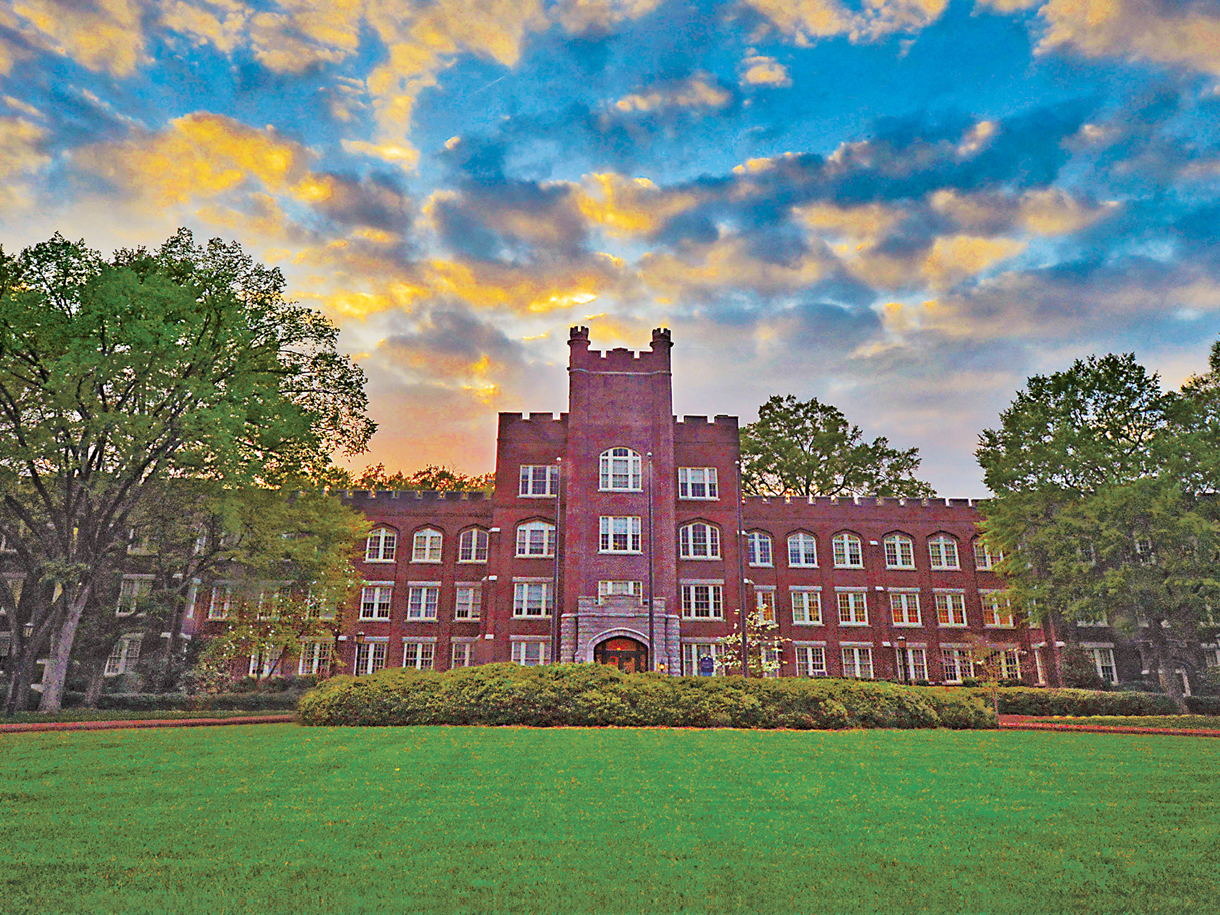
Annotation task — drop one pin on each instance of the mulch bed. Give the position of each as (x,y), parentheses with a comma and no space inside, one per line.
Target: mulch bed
(1028,723)
(142,723)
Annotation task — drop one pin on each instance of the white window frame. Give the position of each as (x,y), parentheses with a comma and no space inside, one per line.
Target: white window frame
(702,600)
(698,484)
(857,661)
(467,601)
(703,549)
(427,545)
(759,553)
(376,599)
(904,610)
(848,551)
(994,617)
(943,553)
(802,550)
(461,654)
(899,551)
(620,534)
(533,598)
(536,540)
(620,589)
(621,470)
(950,604)
(852,604)
(123,656)
(132,589)
(220,602)
(956,663)
(538,481)
(1102,657)
(1010,664)
(423,601)
(313,657)
(811,660)
(806,606)
(381,545)
(914,661)
(984,559)
(370,658)
(764,602)
(472,545)
(693,651)
(418,654)
(269,659)
(531,652)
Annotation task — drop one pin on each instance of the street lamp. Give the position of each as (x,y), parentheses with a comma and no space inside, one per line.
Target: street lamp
(900,646)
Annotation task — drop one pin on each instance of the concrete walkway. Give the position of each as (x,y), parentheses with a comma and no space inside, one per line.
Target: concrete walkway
(1029,723)
(142,723)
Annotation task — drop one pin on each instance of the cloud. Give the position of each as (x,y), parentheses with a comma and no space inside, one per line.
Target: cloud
(407,157)
(21,154)
(578,17)
(759,70)
(624,207)
(806,21)
(102,35)
(696,91)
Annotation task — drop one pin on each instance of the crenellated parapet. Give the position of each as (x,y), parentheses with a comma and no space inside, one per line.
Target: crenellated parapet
(653,360)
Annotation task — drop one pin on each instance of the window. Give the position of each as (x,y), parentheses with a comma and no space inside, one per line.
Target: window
(951,609)
(314,658)
(1211,655)
(899,552)
(858,663)
(997,612)
(693,651)
(848,553)
(468,602)
(853,608)
(535,538)
(218,606)
(806,607)
(984,559)
(382,546)
(620,471)
(620,589)
(697,483)
(764,600)
(370,658)
(460,654)
(802,551)
(472,545)
(531,653)
(956,664)
(758,548)
(532,598)
(942,552)
(904,609)
(699,540)
(1103,659)
(132,590)
(619,534)
(123,656)
(1102,620)
(1010,664)
(139,542)
(418,655)
(539,480)
(1039,669)
(319,606)
(912,664)
(811,661)
(264,663)
(426,547)
(422,601)
(375,600)
(771,661)
(702,602)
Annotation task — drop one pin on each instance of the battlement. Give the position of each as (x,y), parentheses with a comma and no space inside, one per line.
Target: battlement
(692,419)
(655,359)
(862,501)
(410,495)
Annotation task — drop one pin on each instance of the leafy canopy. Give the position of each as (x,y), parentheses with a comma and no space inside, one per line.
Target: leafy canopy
(807,448)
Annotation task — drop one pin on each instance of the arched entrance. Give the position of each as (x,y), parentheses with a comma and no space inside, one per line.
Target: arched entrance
(626,654)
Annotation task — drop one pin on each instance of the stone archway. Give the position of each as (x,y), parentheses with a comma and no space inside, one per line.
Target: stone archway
(627,654)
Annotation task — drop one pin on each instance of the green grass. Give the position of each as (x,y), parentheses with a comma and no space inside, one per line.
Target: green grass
(1190,722)
(278,818)
(116,715)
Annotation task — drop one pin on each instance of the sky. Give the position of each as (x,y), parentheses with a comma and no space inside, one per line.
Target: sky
(904,208)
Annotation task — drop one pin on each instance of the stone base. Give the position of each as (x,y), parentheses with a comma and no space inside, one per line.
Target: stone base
(594,622)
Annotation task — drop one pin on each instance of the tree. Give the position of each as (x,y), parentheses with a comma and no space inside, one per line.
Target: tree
(764,646)
(1093,510)
(429,478)
(183,363)
(808,449)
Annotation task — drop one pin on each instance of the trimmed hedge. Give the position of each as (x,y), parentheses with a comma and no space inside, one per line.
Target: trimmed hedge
(599,695)
(1030,700)
(285,700)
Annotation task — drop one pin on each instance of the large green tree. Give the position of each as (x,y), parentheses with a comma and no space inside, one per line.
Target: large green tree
(807,448)
(115,375)
(1096,512)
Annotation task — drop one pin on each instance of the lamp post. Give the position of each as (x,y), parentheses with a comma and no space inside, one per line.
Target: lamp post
(357,641)
(900,646)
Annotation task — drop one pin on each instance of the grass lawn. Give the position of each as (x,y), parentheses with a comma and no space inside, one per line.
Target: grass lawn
(1188,722)
(278,818)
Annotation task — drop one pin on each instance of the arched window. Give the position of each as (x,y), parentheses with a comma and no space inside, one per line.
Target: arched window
(426,547)
(899,552)
(381,546)
(802,550)
(699,540)
(848,552)
(942,552)
(758,548)
(984,558)
(620,471)
(536,538)
(472,545)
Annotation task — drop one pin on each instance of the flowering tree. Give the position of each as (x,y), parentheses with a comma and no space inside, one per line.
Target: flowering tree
(764,646)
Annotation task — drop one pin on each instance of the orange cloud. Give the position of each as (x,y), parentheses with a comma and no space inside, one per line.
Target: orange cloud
(805,21)
(757,70)
(628,206)
(104,35)
(20,154)
(694,92)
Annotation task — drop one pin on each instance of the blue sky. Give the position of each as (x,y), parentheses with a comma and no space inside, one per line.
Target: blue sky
(902,207)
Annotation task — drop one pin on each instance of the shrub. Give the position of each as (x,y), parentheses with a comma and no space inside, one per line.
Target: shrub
(1028,700)
(1203,705)
(598,695)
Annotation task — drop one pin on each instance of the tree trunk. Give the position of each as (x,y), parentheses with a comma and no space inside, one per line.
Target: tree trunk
(1166,672)
(97,679)
(56,672)
(19,687)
